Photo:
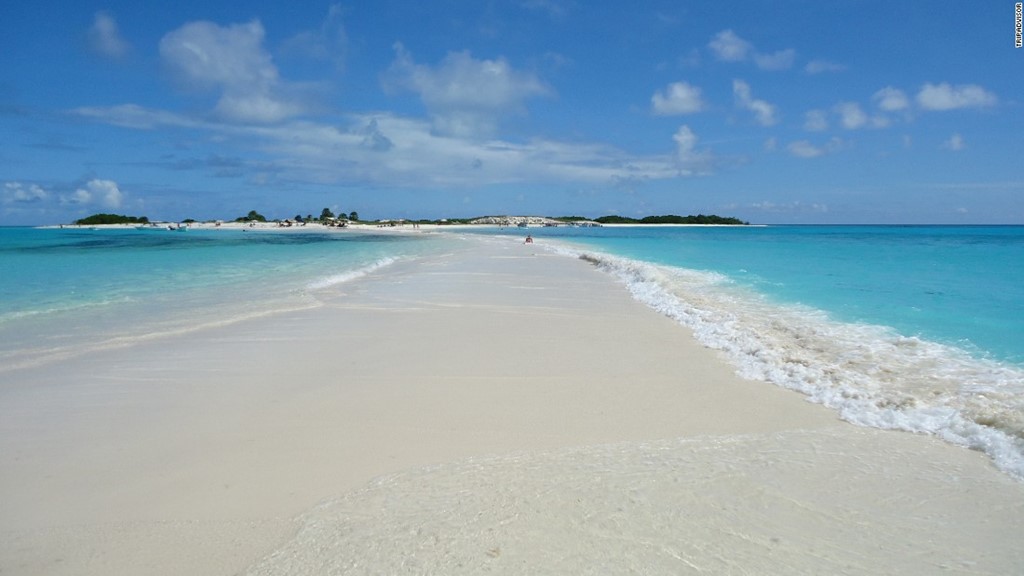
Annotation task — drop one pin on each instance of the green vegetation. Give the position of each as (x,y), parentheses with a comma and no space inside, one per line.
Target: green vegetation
(97,219)
(328,215)
(251,217)
(672,219)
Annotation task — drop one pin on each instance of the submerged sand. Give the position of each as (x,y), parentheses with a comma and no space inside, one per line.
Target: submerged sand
(497,409)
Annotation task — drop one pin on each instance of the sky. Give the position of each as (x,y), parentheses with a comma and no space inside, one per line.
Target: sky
(785,112)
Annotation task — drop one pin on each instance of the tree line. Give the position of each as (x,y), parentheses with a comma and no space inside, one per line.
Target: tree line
(252,216)
(673,219)
(326,214)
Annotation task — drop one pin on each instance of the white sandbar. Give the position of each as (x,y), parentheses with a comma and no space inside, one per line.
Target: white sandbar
(495,409)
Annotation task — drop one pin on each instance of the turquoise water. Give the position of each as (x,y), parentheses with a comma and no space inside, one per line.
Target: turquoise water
(68,291)
(911,328)
(916,329)
(960,285)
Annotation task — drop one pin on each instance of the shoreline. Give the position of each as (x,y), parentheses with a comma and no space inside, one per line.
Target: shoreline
(206,453)
(360,226)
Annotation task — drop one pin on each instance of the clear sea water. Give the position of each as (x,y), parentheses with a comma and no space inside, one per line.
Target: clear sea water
(914,328)
(909,328)
(68,291)
(917,328)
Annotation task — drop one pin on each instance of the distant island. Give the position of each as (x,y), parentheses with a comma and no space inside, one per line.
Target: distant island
(326,216)
(98,219)
(581,220)
(673,219)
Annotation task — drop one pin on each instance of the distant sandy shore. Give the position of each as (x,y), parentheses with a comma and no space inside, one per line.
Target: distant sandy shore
(263,226)
(498,408)
(396,226)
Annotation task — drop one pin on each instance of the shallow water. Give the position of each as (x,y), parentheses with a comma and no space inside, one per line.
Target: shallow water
(911,328)
(957,285)
(803,317)
(68,291)
(915,329)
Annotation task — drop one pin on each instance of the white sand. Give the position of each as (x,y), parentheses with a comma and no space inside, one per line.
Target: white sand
(520,396)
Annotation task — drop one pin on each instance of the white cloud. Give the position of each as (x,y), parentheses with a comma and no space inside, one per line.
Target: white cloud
(108,191)
(891,99)
(134,116)
(729,47)
(955,143)
(80,196)
(804,149)
(420,156)
(815,121)
(763,111)
(19,193)
(210,56)
(104,37)
(256,107)
(386,150)
(104,192)
(690,159)
(781,60)
(790,207)
(375,139)
(231,59)
(329,42)
(820,66)
(850,115)
(466,96)
(678,98)
(686,142)
(946,97)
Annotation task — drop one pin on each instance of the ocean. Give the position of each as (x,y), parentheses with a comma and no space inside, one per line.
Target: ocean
(65,292)
(916,328)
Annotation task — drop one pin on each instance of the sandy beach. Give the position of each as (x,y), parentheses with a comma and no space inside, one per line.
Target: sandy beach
(499,408)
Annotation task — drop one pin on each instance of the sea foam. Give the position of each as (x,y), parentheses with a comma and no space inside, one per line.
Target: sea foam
(872,375)
(349,275)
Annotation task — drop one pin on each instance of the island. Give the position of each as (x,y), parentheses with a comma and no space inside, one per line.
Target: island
(328,218)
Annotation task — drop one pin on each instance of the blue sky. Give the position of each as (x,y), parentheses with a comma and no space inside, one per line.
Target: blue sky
(773,112)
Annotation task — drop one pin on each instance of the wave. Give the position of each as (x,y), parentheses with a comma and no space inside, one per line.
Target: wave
(69,333)
(349,275)
(62,308)
(23,358)
(872,375)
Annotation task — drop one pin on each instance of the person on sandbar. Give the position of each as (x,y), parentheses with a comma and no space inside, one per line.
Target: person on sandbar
(529,239)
